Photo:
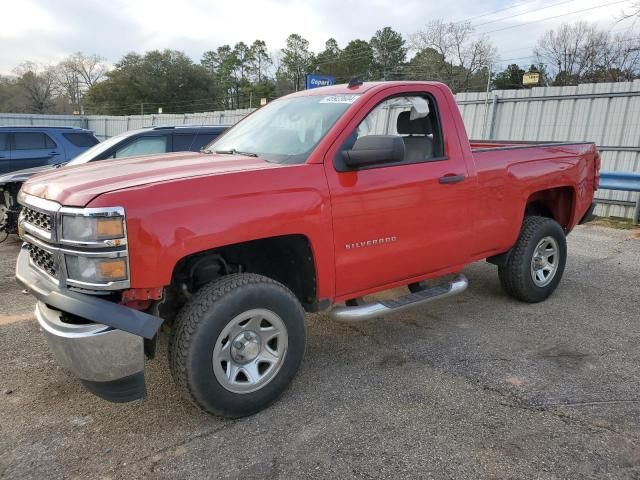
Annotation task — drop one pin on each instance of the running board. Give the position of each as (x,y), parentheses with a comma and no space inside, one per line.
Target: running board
(369,311)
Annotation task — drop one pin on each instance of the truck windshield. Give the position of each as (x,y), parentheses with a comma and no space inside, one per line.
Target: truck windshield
(285,131)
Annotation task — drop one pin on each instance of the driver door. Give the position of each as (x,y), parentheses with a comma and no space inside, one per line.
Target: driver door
(395,223)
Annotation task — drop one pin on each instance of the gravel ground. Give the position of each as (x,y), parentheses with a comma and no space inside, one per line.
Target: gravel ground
(476,386)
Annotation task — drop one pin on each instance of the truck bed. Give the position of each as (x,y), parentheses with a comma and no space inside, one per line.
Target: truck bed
(510,173)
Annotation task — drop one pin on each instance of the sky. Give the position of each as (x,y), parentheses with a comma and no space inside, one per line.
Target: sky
(45,31)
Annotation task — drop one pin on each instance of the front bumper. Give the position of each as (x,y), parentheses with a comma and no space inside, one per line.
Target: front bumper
(109,362)
(108,354)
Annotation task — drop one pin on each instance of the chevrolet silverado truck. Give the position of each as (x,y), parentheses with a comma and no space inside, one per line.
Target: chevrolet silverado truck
(313,202)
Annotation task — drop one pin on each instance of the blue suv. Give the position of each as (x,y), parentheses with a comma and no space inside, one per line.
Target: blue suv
(146,141)
(28,147)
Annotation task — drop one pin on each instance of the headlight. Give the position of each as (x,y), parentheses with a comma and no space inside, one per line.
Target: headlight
(105,226)
(96,270)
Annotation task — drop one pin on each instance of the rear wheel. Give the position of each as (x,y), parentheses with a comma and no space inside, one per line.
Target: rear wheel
(536,262)
(238,344)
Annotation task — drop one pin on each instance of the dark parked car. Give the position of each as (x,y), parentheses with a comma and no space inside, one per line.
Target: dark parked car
(145,141)
(26,147)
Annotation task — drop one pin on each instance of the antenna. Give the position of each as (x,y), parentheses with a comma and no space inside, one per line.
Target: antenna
(355,82)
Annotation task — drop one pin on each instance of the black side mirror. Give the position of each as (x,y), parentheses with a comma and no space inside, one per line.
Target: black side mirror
(374,150)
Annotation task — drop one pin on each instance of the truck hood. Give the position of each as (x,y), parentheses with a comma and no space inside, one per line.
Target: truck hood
(76,186)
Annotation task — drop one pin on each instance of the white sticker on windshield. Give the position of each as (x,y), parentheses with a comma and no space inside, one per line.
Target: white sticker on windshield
(340,99)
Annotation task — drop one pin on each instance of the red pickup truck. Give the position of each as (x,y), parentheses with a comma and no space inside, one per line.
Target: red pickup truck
(312,202)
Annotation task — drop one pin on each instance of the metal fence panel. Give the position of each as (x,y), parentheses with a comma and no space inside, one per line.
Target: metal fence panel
(105,126)
(28,120)
(108,126)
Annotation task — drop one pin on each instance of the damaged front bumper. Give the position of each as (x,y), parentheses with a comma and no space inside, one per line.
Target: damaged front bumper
(107,351)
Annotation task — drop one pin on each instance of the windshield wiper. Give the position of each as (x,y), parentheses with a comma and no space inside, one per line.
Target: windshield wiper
(233,151)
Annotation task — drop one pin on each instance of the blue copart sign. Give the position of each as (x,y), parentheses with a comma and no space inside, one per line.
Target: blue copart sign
(315,81)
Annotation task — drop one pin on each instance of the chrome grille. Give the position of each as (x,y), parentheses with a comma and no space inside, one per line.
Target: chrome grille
(37,219)
(44,260)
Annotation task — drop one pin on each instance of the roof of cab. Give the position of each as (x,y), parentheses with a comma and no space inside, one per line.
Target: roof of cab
(345,89)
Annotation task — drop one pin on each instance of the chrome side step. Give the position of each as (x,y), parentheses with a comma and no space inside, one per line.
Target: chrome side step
(385,307)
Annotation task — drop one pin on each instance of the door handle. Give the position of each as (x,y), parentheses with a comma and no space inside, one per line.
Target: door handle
(53,154)
(451,178)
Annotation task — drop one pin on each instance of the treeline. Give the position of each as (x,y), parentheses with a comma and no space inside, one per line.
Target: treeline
(239,76)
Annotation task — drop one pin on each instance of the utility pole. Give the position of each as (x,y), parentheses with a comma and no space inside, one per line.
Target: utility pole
(141,108)
(486,102)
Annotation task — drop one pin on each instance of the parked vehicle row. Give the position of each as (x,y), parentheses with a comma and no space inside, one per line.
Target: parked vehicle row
(29,162)
(313,202)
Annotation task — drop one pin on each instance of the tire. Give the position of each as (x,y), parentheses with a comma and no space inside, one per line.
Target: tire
(523,277)
(212,346)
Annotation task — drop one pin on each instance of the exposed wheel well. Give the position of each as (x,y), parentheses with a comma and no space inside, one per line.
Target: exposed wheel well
(555,203)
(287,259)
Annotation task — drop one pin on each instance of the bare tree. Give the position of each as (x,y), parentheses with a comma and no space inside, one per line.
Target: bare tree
(634,11)
(581,52)
(77,73)
(620,61)
(68,83)
(38,82)
(90,68)
(449,52)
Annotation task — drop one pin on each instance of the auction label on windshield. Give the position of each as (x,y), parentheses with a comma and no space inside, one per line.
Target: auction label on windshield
(340,99)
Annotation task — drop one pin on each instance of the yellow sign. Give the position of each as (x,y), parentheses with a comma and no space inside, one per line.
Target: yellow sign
(531,78)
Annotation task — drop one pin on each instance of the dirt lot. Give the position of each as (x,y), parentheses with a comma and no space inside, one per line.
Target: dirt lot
(478,386)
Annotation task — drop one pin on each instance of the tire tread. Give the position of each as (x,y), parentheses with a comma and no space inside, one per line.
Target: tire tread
(512,278)
(193,313)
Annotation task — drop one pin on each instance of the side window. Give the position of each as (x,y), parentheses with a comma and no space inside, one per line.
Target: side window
(32,141)
(4,144)
(184,142)
(413,118)
(192,142)
(84,140)
(143,146)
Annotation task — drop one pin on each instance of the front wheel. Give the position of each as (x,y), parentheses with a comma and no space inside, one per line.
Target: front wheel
(237,344)
(536,263)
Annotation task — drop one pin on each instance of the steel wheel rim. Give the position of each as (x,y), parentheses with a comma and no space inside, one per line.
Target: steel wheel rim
(250,351)
(545,261)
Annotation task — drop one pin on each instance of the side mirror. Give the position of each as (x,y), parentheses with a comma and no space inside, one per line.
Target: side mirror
(374,150)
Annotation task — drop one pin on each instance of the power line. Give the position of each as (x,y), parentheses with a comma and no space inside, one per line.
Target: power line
(524,13)
(556,16)
(496,11)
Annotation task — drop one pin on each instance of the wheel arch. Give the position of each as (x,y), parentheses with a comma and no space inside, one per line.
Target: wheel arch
(288,259)
(556,203)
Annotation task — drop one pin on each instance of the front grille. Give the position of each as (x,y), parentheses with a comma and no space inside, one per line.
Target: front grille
(37,219)
(42,259)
